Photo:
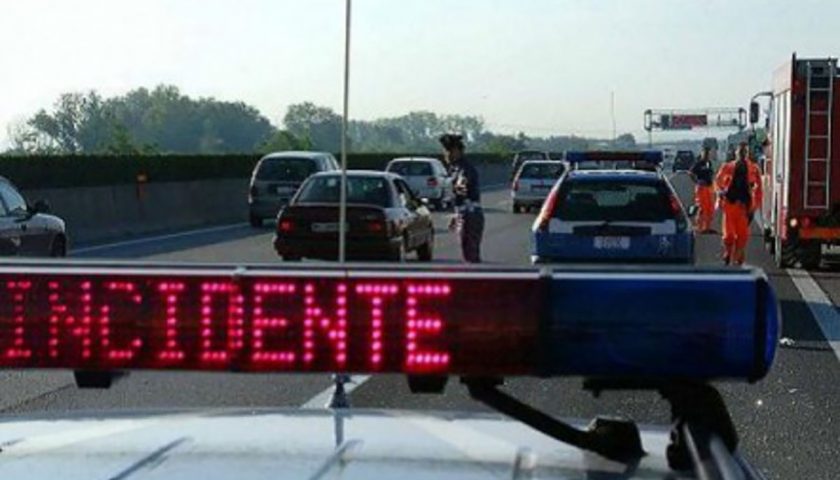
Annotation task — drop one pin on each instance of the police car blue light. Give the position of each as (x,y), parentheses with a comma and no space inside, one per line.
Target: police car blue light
(666,324)
(612,216)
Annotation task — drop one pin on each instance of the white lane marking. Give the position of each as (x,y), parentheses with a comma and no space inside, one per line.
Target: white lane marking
(170,236)
(820,305)
(323,399)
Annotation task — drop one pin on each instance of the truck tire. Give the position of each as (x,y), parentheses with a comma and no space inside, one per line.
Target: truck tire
(810,255)
(785,254)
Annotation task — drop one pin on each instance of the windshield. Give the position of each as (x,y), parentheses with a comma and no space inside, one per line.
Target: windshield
(523,156)
(411,169)
(286,169)
(614,201)
(326,189)
(542,170)
(210,136)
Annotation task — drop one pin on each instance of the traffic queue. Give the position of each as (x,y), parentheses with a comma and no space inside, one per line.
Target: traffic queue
(595,206)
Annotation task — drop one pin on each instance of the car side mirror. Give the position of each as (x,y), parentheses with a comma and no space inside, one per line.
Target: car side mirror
(692,211)
(41,206)
(754,112)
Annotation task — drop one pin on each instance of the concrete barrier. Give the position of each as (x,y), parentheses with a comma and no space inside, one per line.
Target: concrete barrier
(97,214)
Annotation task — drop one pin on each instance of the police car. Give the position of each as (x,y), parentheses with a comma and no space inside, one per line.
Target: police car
(427,323)
(626,213)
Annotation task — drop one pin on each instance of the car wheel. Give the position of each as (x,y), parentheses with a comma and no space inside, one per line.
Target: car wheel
(426,251)
(58,248)
(255,221)
(810,255)
(399,254)
(785,254)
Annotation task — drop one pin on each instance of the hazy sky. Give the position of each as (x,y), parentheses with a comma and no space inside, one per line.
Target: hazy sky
(542,66)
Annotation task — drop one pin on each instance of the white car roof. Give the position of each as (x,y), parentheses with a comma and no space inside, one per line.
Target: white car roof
(414,159)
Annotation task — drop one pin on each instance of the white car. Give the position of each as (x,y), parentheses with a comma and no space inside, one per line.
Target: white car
(427,178)
(532,183)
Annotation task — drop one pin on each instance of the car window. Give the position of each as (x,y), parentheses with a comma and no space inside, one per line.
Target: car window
(286,169)
(542,170)
(326,189)
(332,164)
(411,169)
(614,200)
(14,201)
(406,195)
(532,156)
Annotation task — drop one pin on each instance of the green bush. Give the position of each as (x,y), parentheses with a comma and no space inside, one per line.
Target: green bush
(61,171)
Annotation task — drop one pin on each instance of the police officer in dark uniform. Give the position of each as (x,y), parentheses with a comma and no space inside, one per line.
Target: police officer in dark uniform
(703,173)
(469,217)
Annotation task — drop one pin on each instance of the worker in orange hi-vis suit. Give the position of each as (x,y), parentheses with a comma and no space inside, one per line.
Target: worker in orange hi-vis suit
(703,174)
(736,184)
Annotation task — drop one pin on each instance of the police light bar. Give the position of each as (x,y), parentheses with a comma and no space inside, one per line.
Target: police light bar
(672,323)
(648,156)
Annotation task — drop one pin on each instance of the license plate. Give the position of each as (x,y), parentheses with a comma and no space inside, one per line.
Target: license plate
(611,243)
(331,227)
(285,190)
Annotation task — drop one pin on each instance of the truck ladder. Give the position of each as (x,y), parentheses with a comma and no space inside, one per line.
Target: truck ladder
(818,113)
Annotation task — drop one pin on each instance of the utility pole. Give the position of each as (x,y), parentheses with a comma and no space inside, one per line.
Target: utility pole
(342,208)
(612,114)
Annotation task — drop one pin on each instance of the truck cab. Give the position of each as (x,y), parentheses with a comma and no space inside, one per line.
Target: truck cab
(801,170)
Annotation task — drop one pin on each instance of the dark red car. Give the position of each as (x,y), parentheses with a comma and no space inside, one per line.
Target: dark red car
(385,220)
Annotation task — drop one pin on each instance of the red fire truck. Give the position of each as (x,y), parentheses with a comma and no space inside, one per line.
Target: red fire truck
(801,207)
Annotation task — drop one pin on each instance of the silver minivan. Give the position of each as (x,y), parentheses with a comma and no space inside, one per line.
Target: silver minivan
(277,177)
(427,178)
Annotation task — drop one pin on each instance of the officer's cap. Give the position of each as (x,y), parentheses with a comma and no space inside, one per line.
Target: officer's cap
(451,140)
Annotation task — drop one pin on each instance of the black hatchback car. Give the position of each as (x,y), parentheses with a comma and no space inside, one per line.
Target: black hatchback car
(28,230)
(385,220)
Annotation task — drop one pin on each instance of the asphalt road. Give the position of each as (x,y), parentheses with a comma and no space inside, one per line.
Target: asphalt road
(789,423)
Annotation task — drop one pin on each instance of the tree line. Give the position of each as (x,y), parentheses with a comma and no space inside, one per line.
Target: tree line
(165,121)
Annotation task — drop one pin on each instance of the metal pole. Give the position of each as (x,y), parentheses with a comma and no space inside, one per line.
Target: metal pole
(342,208)
(612,114)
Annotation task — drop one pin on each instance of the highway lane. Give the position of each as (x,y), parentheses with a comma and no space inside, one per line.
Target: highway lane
(788,422)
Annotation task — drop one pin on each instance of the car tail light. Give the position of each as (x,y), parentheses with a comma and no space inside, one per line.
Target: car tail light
(432,182)
(286,226)
(376,226)
(516,185)
(676,208)
(547,210)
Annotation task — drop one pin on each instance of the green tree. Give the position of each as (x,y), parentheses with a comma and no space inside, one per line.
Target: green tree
(283,140)
(162,120)
(321,126)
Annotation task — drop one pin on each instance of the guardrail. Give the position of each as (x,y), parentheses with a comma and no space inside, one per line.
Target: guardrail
(112,212)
